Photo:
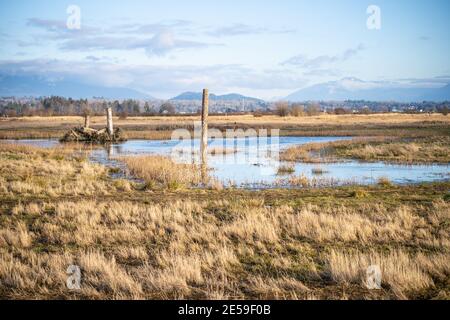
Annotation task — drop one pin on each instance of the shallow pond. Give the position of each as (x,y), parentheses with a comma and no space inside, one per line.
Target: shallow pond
(253,162)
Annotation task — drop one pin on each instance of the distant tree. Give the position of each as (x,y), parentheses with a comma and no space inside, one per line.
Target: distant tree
(341,110)
(257,114)
(117,107)
(282,108)
(383,109)
(313,109)
(365,110)
(123,115)
(167,107)
(444,110)
(86,111)
(147,108)
(297,110)
(11,113)
(103,106)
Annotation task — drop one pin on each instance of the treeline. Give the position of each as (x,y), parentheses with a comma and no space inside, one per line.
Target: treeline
(59,106)
(284,109)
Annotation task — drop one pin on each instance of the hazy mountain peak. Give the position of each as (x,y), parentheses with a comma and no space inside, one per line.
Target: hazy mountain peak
(351,88)
(351,79)
(198,96)
(15,85)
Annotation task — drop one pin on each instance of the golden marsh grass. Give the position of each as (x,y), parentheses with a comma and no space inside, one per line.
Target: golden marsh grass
(162,171)
(57,210)
(388,149)
(158,127)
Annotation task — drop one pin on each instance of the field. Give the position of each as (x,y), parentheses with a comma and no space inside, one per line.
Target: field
(159,238)
(406,150)
(161,127)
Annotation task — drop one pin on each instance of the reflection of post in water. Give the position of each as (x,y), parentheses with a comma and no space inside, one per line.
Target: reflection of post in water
(204,137)
(204,171)
(109,150)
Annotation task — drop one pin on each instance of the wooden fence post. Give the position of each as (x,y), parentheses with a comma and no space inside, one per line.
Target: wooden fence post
(204,139)
(109,121)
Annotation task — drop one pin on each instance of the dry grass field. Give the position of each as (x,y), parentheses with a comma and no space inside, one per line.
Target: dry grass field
(159,238)
(407,150)
(161,127)
(149,241)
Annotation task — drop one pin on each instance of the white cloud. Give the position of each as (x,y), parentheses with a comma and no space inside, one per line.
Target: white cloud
(160,44)
(319,62)
(239,29)
(157,80)
(155,39)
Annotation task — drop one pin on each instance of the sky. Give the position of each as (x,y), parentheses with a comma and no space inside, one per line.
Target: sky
(260,48)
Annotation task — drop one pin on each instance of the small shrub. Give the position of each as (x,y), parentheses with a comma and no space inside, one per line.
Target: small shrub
(123,115)
(318,171)
(123,185)
(174,185)
(297,110)
(285,169)
(384,182)
(282,109)
(359,193)
(150,185)
(216,185)
(313,110)
(114,170)
(299,181)
(158,171)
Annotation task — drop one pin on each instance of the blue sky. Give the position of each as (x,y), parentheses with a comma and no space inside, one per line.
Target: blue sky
(259,48)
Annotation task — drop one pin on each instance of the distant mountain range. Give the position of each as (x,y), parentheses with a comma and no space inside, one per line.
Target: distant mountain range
(340,90)
(212,96)
(21,86)
(356,89)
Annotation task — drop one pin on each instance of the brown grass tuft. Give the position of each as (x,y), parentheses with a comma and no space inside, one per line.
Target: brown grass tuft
(161,171)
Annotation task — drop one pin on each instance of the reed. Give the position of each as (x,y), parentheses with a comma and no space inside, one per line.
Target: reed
(158,171)
(285,170)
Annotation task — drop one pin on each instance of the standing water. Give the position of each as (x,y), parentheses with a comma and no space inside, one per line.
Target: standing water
(253,162)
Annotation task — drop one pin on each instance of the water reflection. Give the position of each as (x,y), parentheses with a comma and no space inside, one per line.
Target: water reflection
(253,162)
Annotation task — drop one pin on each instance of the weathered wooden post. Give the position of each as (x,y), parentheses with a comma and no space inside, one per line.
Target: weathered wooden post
(109,121)
(204,138)
(204,141)
(87,121)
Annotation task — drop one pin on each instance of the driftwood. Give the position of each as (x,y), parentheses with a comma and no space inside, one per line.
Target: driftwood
(84,134)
